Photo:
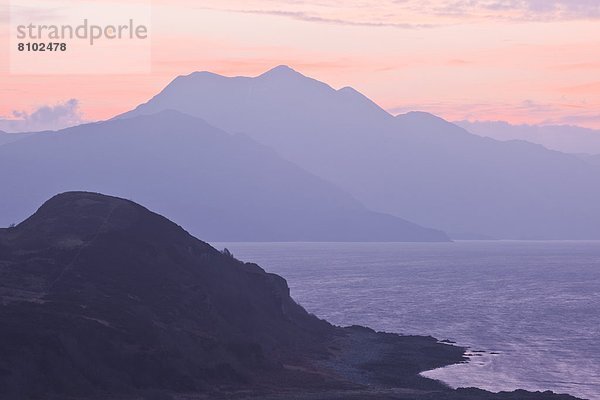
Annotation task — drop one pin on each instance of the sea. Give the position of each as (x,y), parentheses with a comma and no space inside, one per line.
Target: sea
(529,311)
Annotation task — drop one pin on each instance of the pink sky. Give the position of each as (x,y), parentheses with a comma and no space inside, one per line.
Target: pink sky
(523,61)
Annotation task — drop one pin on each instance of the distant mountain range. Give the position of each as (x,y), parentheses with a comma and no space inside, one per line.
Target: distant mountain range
(12,137)
(414,165)
(223,187)
(565,138)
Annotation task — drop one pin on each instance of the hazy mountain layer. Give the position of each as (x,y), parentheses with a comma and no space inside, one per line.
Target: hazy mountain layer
(416,165)
(565,138)
(220,186)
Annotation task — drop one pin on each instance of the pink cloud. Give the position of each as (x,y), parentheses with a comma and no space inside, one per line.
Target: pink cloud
(47,117)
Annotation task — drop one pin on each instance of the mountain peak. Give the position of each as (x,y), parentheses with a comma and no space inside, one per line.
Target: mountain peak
(282,71)
(199,74)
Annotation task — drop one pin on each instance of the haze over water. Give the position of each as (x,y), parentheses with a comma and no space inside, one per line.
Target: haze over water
(537,304)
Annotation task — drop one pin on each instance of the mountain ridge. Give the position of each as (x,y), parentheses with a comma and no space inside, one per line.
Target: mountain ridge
(220,186)
(416,166)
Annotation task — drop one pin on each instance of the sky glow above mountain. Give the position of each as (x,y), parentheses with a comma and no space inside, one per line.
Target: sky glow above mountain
(522,61)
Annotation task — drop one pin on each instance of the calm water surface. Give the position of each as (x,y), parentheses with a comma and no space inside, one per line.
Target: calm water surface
(537,304)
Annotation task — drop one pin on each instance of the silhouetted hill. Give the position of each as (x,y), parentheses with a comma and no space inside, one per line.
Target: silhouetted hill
(98,293)
(101,298)
(219,186)
(415,165)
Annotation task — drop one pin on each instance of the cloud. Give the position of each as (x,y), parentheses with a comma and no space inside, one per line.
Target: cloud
(509,9)
(315,17)
(411,14)
(564,8)
(47,117)
(400,13)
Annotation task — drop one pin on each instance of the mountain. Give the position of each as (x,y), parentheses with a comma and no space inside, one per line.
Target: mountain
(222,187)
(11,137)
(473,185)
(415,165)
(99,293)
(565,138)
(102,299)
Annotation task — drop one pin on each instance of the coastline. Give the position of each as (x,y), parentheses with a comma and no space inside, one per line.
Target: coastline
(105,299)
(370,365)
(410,289)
